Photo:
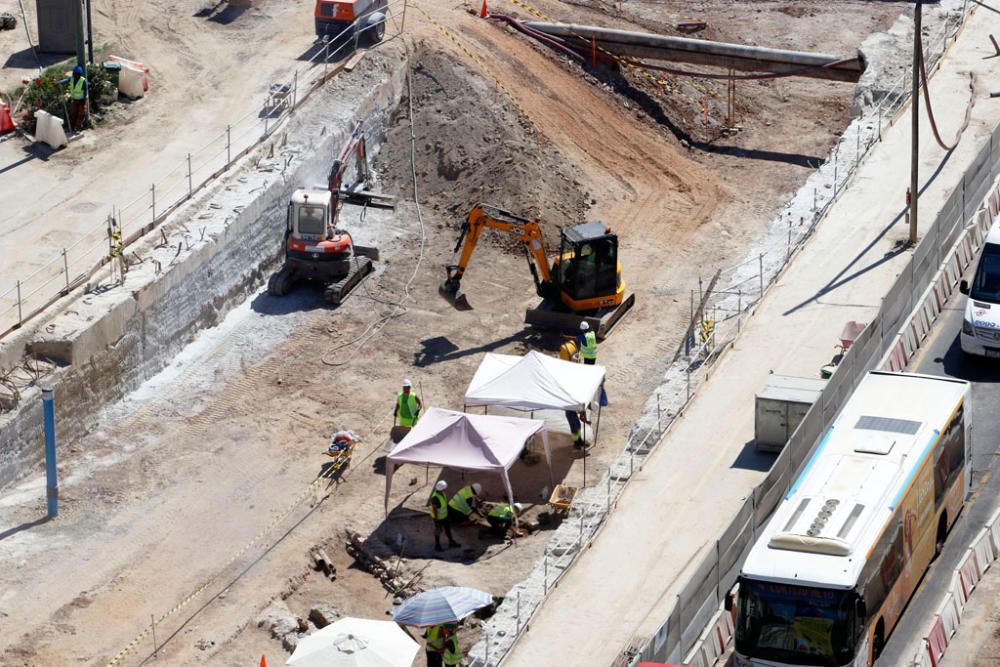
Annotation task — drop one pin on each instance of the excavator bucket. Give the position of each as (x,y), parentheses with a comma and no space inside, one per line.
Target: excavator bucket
(452,292)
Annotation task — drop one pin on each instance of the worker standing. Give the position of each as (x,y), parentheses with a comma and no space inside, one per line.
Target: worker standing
(434,648)
(587,342)
(575,427)
(452,651)
(501,517)
(408,406)
(438,505)
(464,503)
(77,95)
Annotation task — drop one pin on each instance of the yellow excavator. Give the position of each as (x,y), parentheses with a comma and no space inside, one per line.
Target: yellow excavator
(583,283)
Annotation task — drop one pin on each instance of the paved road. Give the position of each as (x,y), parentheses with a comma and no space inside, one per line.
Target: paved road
(691,486)
(943,356)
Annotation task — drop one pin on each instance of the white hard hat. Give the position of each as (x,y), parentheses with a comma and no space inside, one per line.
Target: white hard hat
(441,485)
(407,383)
(584,326)
(518,507)
(477,488)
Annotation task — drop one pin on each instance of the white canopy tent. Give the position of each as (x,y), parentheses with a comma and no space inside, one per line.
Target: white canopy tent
(534,382)
(462,441)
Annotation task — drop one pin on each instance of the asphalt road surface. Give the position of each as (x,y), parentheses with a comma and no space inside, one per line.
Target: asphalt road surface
(942,355)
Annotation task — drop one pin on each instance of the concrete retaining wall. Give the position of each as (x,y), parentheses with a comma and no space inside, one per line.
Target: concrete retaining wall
(216,253)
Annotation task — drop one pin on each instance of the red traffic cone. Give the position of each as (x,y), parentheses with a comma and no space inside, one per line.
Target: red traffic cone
(263,661)
(6,122)
(484,12)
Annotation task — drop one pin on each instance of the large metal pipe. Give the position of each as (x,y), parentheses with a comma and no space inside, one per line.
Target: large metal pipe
(714,54)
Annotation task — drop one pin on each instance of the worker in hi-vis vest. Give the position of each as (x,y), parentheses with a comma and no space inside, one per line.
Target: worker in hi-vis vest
(434,648)
(438,507)
(76,93)
(464,503)
(408,406)
(586,342)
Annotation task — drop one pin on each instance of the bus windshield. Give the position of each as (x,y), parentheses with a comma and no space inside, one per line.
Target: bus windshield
(986,284)
(797,625)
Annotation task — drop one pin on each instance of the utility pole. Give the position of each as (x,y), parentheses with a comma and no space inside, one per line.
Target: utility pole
(90,35)
(80,57)
(915,130)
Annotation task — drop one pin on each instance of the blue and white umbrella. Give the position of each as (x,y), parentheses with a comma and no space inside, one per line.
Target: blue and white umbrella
(448,604)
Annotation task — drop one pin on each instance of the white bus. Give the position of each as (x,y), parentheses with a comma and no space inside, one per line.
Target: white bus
(830,574)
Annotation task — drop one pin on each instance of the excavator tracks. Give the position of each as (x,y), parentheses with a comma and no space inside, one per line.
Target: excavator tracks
(336,293)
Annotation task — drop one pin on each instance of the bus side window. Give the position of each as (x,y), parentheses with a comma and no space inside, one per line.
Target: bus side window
(949,456)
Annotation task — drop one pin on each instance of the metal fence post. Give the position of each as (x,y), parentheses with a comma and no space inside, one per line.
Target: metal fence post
(326,52)
(20,319)
(760,261)
(739,309)
(545,572)
(836,153)
(66,268)
(190,189)
(152,189)
(229,145)
(295,91)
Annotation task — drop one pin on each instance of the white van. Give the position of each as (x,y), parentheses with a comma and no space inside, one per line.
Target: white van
(981,326)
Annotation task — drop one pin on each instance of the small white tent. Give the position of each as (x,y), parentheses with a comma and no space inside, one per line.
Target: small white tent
(534,382)
(466,442)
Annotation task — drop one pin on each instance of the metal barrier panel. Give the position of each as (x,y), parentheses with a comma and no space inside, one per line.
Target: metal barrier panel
(808,432)
(699,600)
(976,179)
(767,494)
(897,304)
(734,542)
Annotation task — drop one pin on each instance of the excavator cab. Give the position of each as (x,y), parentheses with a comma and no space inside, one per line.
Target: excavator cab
(587,269)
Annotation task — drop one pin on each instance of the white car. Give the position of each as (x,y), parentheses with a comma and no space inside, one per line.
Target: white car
(981,325)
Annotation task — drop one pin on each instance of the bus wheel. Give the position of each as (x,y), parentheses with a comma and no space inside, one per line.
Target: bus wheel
(878,641)
(942,533)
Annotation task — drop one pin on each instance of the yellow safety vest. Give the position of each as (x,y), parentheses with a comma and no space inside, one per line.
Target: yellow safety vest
(460,501)
(589,348)
(407,409)
(77,88)
(452,653)
(439,506)
(502,511)
(435,641)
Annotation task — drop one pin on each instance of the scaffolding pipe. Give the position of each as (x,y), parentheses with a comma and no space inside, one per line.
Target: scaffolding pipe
(705,52)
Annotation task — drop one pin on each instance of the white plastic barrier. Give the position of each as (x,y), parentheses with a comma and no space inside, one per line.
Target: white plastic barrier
(983,549)
(994,527)
(950,616)
(49,129)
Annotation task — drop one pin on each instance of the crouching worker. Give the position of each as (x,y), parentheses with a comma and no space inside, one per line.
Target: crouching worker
(464,503)
(501,517)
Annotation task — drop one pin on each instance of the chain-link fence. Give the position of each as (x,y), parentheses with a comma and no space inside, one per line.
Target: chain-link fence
(26,296)
(716,574)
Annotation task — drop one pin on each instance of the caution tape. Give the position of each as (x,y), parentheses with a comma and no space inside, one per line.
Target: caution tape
(329,472)
(661,83)
(451,36)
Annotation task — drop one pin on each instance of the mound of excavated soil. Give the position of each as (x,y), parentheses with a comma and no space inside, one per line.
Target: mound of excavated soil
(474,146)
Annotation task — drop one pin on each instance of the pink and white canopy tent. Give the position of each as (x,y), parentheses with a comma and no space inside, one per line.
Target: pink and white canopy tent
(466,442)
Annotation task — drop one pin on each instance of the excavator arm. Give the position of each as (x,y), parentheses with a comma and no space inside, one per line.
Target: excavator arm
(527,231)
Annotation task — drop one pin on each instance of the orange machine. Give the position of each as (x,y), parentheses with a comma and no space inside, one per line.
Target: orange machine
(584,282)
(347,19)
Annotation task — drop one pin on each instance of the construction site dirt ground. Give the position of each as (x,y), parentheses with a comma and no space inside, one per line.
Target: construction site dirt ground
(164,492)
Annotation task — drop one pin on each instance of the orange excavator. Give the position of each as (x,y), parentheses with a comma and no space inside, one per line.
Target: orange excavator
(582,284)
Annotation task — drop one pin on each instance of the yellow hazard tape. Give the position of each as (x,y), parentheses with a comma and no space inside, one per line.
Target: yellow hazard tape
(451,36)
(660,82)
(329,472)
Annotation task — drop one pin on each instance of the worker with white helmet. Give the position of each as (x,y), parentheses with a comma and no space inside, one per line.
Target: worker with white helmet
(464,503)
(502,516)
(438,507)
(587,342)
(408,406)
